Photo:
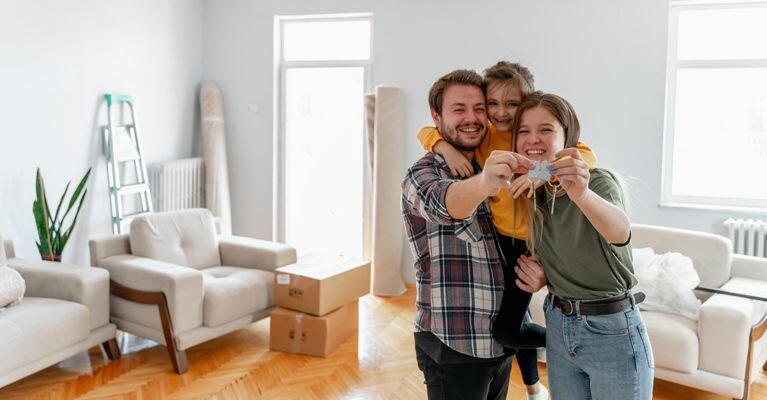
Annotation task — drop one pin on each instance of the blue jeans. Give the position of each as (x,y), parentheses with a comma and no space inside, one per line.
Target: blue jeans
(598,356)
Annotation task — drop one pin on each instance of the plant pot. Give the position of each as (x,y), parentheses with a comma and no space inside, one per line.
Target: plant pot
(51,257)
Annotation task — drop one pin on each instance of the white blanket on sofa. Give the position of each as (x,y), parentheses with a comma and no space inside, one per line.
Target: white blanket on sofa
(12,287)
(668,281)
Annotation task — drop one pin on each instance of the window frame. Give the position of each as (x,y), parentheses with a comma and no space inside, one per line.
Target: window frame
(281,65)
(673,65)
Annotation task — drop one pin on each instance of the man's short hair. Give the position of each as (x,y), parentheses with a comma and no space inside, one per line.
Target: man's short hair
(457,77)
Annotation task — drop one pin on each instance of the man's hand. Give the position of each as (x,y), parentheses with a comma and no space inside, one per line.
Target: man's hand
(530,272)
(498,170)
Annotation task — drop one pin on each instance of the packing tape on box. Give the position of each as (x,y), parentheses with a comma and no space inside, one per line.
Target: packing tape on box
(293,290)
(297,333)
(284,279)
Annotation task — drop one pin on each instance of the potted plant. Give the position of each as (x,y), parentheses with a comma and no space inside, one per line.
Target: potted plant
(50,228)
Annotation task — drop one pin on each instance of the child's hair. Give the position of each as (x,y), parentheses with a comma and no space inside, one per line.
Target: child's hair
(514,74)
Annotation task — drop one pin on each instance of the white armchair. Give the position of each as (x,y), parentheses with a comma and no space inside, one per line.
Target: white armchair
(719,352)
(173,280)
(65,311)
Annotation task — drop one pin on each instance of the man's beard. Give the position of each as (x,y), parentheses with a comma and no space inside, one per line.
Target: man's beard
(451,135)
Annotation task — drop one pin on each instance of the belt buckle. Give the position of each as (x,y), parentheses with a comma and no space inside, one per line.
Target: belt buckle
(571,306)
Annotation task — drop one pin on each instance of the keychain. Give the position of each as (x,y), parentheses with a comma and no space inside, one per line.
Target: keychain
(554,189)
(540,170)
(532,188)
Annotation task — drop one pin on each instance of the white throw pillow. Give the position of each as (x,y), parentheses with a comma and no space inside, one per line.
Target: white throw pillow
(12,287)
(668,281)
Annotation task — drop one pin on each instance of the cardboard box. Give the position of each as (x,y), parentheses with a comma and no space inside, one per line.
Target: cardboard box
(296,332)
(318,284)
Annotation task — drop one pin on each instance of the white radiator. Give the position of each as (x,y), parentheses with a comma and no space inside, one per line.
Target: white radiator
(177,184)
(747,236)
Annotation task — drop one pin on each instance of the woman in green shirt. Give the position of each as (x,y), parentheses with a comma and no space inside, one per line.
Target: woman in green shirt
(596,343)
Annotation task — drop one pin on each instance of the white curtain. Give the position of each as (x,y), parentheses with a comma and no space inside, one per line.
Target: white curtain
(385,114)
(214,152)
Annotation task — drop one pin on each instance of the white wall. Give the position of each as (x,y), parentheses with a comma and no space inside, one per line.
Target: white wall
(606,56)
(57,59)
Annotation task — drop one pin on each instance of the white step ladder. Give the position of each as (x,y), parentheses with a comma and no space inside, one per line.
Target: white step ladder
(122,148)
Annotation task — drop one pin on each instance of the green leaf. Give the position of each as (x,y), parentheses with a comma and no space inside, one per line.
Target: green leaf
(74,220)
(56,240)
(61,201)
(76,194)
(37,210)
(50,230)
(41,210)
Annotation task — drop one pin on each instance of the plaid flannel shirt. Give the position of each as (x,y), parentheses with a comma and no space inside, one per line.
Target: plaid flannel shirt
(459,275)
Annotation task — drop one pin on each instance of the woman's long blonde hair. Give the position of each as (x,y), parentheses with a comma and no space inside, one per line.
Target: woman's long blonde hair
(563,111)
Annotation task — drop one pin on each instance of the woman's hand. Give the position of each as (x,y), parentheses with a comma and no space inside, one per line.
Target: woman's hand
(572,172)
(522,183)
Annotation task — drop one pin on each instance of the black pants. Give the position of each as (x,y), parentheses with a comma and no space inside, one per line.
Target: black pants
(513,328)
(528,365)
(452,375)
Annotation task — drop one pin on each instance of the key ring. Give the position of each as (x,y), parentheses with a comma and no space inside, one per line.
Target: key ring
(532,188)
(554,189)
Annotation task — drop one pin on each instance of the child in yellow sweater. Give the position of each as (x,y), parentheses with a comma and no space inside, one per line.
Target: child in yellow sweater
(507,85)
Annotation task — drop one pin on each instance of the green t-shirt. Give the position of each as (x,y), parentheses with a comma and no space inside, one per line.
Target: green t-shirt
(579,263)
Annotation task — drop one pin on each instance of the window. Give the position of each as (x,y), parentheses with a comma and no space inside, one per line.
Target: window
(323,73)
(715,144)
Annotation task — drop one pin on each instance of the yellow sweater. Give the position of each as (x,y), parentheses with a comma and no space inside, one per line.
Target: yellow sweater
(508,212)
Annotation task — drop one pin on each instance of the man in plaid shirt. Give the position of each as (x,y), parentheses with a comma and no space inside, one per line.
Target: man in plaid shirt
(457,259)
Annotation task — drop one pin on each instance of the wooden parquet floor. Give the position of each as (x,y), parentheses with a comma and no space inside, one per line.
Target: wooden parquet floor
(376,363)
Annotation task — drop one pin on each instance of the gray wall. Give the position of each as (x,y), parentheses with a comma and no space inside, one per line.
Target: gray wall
(606,56)
(57,58)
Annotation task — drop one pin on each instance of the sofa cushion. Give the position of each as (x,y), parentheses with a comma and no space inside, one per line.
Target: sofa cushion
(674,340)
(38,327)
(186,237)
(233,292)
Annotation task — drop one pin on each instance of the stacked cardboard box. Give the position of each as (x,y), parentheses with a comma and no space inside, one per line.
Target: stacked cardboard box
(317,300)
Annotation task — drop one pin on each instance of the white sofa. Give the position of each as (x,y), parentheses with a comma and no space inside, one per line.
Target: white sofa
(173,280)
(712,353)
(65,311)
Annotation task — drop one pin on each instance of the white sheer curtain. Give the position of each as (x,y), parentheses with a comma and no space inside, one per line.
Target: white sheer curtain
(385,114)
(214,152)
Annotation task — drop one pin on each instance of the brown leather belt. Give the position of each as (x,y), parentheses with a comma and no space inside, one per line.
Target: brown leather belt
(597,307)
